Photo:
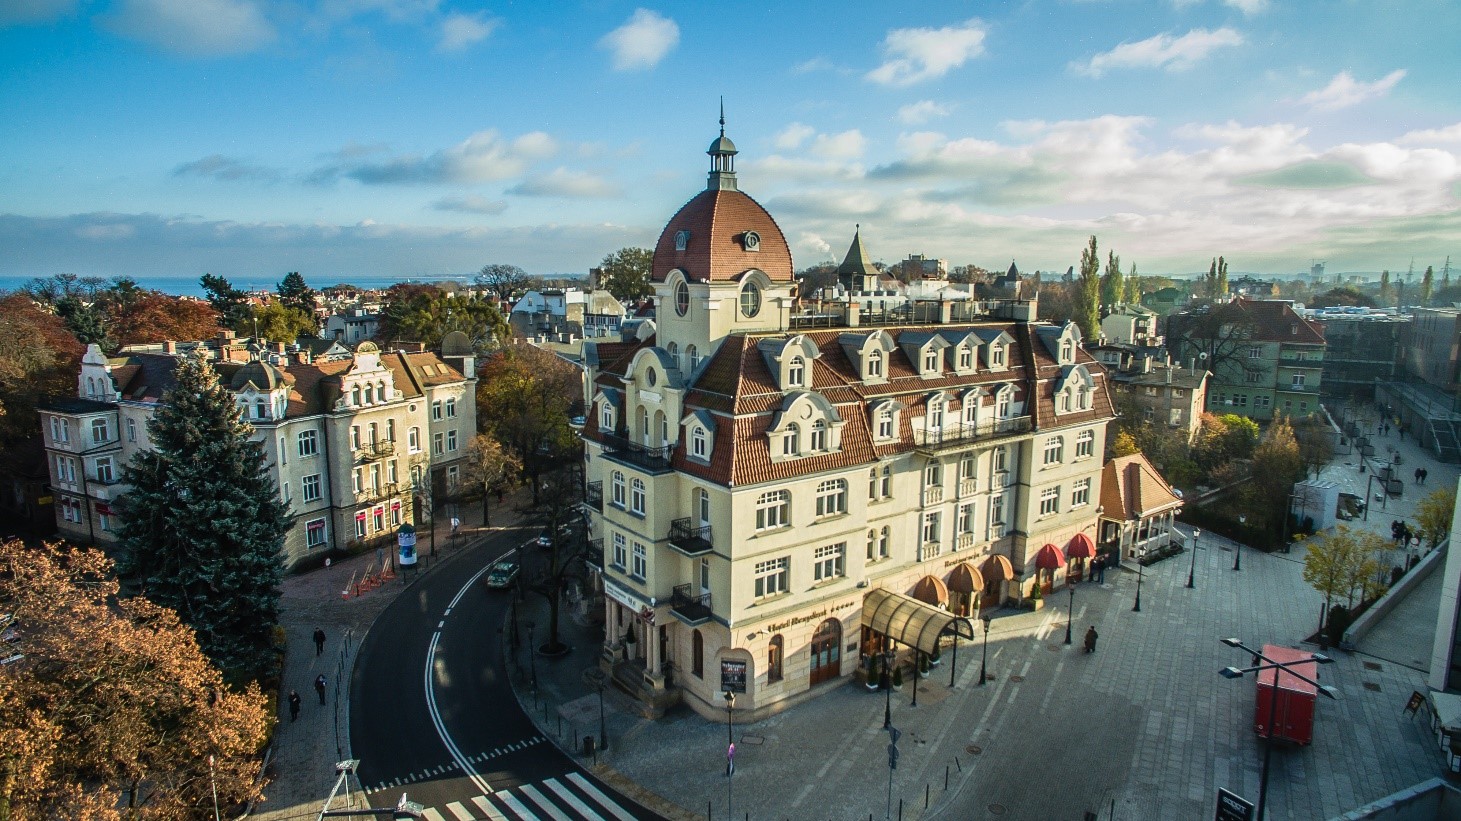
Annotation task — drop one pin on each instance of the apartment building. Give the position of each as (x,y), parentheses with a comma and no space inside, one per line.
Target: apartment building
(359,441)
(1265,358)
(774,496)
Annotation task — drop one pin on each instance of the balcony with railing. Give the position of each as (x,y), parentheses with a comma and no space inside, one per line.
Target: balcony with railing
(593,554)
(957,435)
(371,451)
(653,459)
(963,541)
(593,495)
(690,607)
(968,487)
(933,495)
(379,494)
(689,538)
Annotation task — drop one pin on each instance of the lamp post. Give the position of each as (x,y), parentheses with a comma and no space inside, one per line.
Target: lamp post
(983,662)
(730,752)
(1275,666)
(917,658)
(887,682)
(1136,608)
(598,679)
(1069,611)
(1238,546)
(533,655)
(1192,571)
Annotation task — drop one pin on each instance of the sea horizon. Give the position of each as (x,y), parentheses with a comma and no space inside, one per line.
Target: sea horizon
(188,285)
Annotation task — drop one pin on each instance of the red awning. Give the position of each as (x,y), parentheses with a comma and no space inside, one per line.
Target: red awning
(1049,558)
(996,569)
(1081,547)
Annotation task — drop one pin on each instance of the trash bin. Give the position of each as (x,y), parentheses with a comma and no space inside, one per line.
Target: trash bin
(588,745)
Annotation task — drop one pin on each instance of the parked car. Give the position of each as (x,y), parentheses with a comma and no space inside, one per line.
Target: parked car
(503,572)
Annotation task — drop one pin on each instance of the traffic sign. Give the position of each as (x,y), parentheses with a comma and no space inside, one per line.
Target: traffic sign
(892,756)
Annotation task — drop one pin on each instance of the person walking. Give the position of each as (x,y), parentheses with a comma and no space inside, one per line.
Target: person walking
(1101,569)
(319,641)
(293,705)
(320,687)
(1091,639)
(1424,474)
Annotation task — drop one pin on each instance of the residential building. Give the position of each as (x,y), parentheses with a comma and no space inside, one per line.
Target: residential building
(1265,358)
(1161,391)
(775,495)
(352,326)
(358,444)
(1131,325)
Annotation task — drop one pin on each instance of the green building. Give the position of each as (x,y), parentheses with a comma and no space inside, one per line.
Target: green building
(1265,358)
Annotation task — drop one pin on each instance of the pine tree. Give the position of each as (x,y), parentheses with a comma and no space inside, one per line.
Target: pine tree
(1112,286)
(1088,291)
(1384,287)
(1427,285)
(203,526)
(231,304)
(1222,277)
(294,293)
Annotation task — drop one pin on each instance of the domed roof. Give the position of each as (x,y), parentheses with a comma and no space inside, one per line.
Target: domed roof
(262,375)
(722,145)
(456,343)
(717,221)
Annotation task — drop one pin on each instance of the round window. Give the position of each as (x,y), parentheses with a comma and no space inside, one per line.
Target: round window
(752,241)
(650,377)
(750,299)
(682,297)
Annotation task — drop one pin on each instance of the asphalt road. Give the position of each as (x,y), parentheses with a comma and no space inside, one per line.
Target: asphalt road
(433,716)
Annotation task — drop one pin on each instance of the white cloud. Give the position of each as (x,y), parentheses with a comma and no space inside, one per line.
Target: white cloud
(228,169)
(791,137)
(914,55)
(482,157)
(845,146)
(458,31)
(1248,7)
(642,41)
(21,12)
(196,28)
(1161,51)
(921,112)
(563,182)
(1427,136)
(469,204)
(1344,91)
(814,64)
(814,244)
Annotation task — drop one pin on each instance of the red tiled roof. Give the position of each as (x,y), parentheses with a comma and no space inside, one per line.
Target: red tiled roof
(1131,488)
(1276,321)
(716,220)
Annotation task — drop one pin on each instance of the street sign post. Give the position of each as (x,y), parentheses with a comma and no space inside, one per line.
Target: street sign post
(1232,807)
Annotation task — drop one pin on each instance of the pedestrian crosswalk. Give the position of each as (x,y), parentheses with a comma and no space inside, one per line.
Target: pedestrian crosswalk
(571,798)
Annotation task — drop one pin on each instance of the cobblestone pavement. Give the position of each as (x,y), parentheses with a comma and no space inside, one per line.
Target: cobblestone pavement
(304,752)
(1143,729)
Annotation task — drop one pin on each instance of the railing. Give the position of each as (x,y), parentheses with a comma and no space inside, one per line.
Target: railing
(968,487)
(932,495)
(371,451)
(652,458)
(690,607)
(952,436)
(593,553)
(689,538)
(593,495)
(964,541)
(372,494)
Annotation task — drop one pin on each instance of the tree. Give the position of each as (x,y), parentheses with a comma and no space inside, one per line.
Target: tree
(1223,439)
(1112,286)
(1316,444)
(202,527)
(158,317)
(422,313)
(112,708)
(231,304)
(1222,277)
(1219,336)
(87,321)
(1385,287)
(1087,297)
(490,467)
(1057,302)
(1342,562)
(810,280)
(1427,285)
(625,273)
(553,512)
(524,398)
(1125,445)
(1209,285)
(1133,287)
(294,293)
(1344,296)
(504,281)
(1434,514)
(1277,464)
(279,323)
(38,357)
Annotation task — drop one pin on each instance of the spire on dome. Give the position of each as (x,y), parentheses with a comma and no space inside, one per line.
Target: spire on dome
(722,159)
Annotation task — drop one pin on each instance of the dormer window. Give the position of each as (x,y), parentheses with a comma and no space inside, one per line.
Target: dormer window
(606,418)
(682,239)
(1003,402)
(1067,352)
(788,441)
(261,409)
(750,300)
(966,358)
(796,372)
(875,364)
(885,423)
(996,356)
(699,443)
(930,361)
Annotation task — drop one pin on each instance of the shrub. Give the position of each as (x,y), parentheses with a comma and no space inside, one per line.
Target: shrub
(897,676)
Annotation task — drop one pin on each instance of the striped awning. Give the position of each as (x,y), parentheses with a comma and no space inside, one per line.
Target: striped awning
(997,568)
(965,579)
(909,621)
(930,590)
(1081,547)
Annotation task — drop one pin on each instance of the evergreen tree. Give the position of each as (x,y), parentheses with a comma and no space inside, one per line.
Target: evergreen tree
(294,293)
(1112,286)
(1427,285)
(203,526)
(1088,292)
(1133,287)
(1385,287)
(87,321)
(1222,277)
(1209,286)
(231,304)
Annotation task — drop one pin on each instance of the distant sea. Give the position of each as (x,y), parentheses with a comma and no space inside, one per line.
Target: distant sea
(190,285)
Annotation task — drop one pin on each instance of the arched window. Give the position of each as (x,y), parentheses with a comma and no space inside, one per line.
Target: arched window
(773,509)
(699,443)
(692,357)
(885,423)
(606,418)
(796,371)
(697,654)
(819,435)
(674,351)
(1003,402)
(355,395)
(875,364)
(827,651)
(872,545)
(637,496)
(616,485)
(682,298)
(789,444)
(380,390)
(775,652)
(369,394)
(872,483)
(936,413)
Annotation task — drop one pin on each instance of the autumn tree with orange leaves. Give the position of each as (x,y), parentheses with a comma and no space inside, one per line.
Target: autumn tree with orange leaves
(157,317)
(108,710)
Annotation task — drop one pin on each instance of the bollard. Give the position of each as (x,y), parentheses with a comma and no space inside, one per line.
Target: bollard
(946,777)
(957,764)
(925,796)
(900,809)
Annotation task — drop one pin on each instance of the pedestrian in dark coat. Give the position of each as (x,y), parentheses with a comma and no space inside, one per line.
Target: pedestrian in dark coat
(1418,472)
(1425,474)
(320,687)
(319,641)
(1091,639)
(293,705)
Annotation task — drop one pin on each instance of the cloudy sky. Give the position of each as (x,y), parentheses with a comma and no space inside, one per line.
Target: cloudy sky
(430,137)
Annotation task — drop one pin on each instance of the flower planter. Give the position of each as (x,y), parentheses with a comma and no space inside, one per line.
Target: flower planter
(1035,604)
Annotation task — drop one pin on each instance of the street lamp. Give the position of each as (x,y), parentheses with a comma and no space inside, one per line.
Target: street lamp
(1069,611)
(1275,666)
(1136,608)
(1238,546)
(730,752)
(1192,571)
(533,655)
(983,665)
(597,675)
(887,682)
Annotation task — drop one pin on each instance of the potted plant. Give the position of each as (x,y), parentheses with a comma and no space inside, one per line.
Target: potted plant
(934,657)
(897,678)
(872,681)
(1037,596)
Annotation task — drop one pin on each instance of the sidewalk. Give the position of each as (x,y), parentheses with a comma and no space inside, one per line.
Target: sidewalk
(303,753)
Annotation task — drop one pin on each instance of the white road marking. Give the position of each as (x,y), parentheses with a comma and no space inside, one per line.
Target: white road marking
(488,807)
(597,795)
(517,806)
(538,798)
(462,813)
(430,814)
(563,793)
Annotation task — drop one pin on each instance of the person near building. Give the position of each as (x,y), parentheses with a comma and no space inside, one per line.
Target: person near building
(1091,639)
(319,641)
(320,687)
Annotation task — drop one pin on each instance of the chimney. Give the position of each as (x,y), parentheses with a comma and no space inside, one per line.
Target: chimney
(1146,363)
(170,347)
(277,347)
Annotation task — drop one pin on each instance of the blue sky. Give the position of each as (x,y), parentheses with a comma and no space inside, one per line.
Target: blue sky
(429,137)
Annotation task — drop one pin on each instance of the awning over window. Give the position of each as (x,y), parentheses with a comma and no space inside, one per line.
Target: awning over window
(965,579)
(1081,547)
(930,590)
(997,568)
(1049,558)
(910,621)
